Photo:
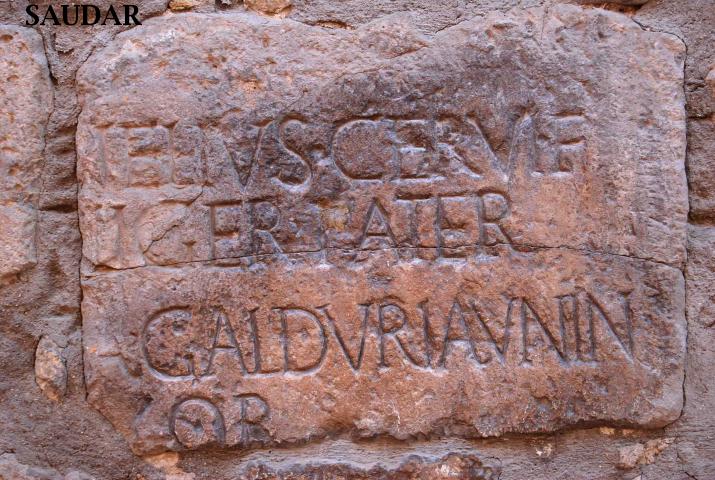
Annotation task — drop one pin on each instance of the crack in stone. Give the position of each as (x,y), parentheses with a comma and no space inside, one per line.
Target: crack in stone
(208,262)
(173,227)
(683,270)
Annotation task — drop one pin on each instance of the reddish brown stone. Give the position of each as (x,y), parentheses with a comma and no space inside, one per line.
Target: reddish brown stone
(12,469)
(26,99)
(290,233)
(693,431)
(268,6)
(50,369)
(692,21)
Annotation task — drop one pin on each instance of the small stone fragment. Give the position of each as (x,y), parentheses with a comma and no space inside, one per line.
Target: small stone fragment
(17,244)
(642,454)
(180,5)
(169,464)
(50,369)
(268,6)
(26,99)
(710,81)
(545,450)
(653,448)
(11,469)
(628,456)
(75,475)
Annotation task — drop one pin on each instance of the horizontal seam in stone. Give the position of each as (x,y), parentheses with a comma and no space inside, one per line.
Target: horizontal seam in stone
(208,262)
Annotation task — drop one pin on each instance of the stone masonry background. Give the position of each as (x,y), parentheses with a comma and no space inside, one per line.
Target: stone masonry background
(49,431)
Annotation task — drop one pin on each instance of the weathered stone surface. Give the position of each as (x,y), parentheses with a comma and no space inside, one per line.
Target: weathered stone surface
(43,300)
(476,236)
(642,453)
(694,431)
(268,6)
(50,369)
(522,135)
(12,469)
(465,467)
(701,165)
(352,351)
(26,97)
(692,21)
(17,245)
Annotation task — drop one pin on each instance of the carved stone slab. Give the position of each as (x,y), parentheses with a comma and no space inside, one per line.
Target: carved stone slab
(26,99)
(291,232)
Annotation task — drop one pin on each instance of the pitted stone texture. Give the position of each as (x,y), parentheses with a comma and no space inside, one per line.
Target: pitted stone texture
(179,5)
(693,432)
(272,352)
(283,128)
(701,165)
(17,245)
(26,97)
(12,469)
(50,369)
(692,21)
(268,6)
(453,466)
(469,235)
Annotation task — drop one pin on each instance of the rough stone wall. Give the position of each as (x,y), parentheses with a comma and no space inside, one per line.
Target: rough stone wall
(52,426)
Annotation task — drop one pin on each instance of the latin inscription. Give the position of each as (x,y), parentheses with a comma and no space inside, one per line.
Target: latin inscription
(479,236)
(234,191)
(364,150)
(197,422)
(227,352)
(190,343)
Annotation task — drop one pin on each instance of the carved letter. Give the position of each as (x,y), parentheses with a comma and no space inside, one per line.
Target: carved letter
(196,422)
(391,320)
(364,150)
(354,364)
(240,141)
(462,336)
(416,149)
(167,341)
(625,340)
(527,312)
(522,148)
(224,341)
(265,218)
(187,141)
(493,208)
(377,232)
(500,351)
(250,412)
(301,333)
(462,140)
(458,226)
(228,231)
